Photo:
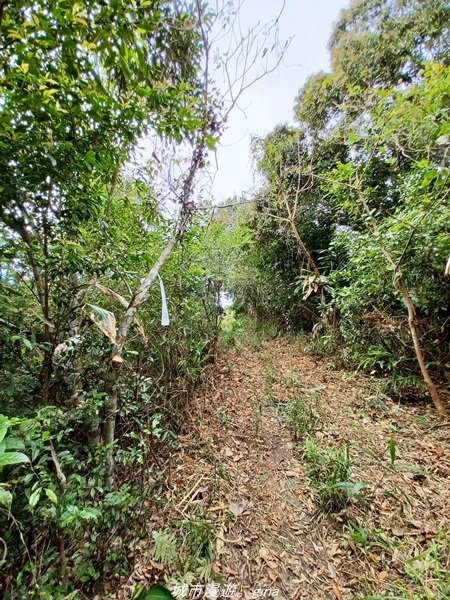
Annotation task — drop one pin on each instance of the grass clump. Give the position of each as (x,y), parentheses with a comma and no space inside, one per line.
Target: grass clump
(300,414)
(329,473)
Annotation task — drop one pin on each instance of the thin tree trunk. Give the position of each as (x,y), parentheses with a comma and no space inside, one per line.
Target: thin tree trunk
(138,298)
(412,322)
(399,282)
(112,378)
(62,559)
(309,259)
(116,360)
(48,329)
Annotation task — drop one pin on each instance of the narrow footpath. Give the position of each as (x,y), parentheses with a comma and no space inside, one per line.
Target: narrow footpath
(241,469)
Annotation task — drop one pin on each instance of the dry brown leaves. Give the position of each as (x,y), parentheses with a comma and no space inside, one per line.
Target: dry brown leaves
(240,468)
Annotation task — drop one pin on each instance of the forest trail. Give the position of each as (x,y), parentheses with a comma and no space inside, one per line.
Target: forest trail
(269,542)
(240,469)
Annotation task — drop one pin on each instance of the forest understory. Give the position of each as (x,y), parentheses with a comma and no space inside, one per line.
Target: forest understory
(225,390)
(306,482)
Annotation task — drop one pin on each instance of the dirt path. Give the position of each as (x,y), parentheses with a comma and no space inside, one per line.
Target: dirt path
(270,544)
(240,470)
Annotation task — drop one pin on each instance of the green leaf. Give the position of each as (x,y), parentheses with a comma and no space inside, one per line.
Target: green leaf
(13,458)
(14,444)
(210,142)
(411,469)
(27,343)
(34,498)
(89,513)
(158,592)
(4,424)
(14,35)
(51,495)
(5,498)
(351,489)
(392,451)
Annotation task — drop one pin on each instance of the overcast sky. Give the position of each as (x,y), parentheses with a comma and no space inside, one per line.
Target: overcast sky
(270,101)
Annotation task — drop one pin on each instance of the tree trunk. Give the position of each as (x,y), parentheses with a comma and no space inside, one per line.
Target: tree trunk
(399,282)
(412,322)
(112,378)
(309,259)
(116,360)
(138,298)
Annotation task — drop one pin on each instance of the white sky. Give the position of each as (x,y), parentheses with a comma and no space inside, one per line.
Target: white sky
(270,101)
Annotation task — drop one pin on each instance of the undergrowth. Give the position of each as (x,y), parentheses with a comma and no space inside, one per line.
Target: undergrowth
(300,414)
(329,472)
(423,575)
(186,553)
(240,330)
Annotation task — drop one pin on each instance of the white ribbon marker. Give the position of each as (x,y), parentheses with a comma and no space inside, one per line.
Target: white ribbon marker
(165,320)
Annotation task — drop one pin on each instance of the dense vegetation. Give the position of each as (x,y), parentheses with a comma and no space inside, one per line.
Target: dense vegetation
(347,238)
(88,387)
(350,230)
